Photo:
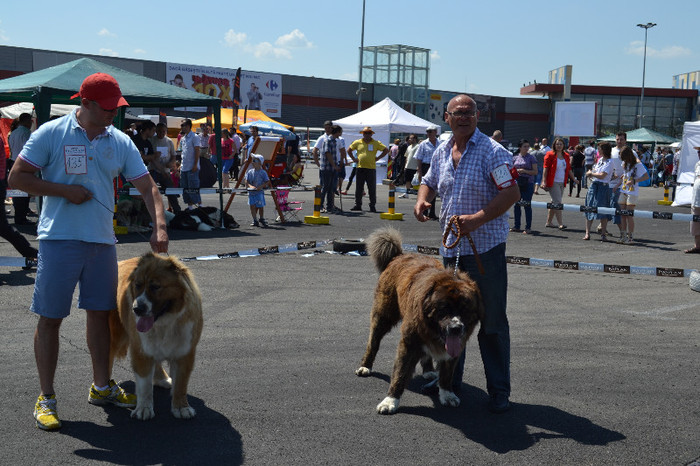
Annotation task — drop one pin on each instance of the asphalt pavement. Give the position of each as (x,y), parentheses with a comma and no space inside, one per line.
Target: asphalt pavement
(604,366)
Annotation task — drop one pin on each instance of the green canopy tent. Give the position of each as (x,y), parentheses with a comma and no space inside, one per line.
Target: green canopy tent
(644,136)
(57,84)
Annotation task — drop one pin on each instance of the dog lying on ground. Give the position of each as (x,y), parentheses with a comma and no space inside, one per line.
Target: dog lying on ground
(439,312)
(159,318)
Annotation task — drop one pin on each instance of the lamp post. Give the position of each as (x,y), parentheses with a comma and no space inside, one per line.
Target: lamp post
(360,89)
(646,28)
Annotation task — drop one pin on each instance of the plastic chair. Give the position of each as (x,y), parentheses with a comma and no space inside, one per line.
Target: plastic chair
(289,209)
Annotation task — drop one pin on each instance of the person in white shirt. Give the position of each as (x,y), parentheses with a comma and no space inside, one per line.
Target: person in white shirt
(633,172)
(16,140)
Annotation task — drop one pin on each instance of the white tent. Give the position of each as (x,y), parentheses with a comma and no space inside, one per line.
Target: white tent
(686,167)
(384,117)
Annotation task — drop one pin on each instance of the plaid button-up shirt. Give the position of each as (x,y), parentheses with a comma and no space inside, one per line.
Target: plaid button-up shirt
(329,145)
(469,188)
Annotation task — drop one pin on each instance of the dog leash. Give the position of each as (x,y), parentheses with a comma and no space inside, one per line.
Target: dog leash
(453,227)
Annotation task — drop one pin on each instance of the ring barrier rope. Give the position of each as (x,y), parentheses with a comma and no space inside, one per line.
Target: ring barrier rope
(667,272)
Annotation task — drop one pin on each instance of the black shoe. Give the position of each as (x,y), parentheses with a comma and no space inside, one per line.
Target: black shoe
(24,222)
(356,208)
(372,209)
(499,403)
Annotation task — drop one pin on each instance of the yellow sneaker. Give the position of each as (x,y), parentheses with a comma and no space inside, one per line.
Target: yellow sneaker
(45,413)
(114,395)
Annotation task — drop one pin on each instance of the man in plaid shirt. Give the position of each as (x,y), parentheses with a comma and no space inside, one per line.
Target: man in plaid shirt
(471,172)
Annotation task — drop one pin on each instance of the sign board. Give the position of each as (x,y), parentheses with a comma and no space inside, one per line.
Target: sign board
(575,119)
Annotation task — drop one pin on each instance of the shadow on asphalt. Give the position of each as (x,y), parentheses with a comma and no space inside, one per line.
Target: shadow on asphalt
(209,438)
(518,429)
(18,278)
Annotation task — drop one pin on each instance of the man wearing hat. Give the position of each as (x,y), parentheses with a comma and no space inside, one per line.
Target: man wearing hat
(79,155)
(424,155)
(366,160)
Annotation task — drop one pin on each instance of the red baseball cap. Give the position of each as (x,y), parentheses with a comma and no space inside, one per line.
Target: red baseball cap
(103,89)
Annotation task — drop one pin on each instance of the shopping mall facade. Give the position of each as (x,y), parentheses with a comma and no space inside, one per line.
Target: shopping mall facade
(307,101)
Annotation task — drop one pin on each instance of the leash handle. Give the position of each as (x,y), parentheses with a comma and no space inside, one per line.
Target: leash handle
(453,227)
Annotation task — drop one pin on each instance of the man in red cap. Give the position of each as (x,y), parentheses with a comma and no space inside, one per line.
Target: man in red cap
(79,155)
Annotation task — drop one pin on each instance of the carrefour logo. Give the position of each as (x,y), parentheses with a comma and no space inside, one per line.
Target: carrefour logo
(272,84)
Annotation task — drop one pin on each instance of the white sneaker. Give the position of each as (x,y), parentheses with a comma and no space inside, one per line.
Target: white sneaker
(404,196)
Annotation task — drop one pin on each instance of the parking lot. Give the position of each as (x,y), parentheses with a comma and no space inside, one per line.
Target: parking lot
(605,366)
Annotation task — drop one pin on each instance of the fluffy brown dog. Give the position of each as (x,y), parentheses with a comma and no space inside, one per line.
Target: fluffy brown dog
(159,318)
(439,312)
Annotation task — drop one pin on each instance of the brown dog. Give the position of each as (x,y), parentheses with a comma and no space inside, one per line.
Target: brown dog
(439,312)
(159,318)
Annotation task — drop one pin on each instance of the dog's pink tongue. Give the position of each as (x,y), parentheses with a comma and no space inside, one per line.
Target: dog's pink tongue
(144,324)
(453,346)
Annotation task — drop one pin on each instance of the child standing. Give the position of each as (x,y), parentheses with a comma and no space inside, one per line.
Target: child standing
(633,172)
(256,179)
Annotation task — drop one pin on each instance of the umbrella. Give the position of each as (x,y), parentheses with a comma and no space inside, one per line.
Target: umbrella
(268,128)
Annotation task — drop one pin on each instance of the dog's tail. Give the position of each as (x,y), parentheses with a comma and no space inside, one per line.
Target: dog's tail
(384,245)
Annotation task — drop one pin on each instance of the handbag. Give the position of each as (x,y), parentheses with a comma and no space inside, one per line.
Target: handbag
(415,181)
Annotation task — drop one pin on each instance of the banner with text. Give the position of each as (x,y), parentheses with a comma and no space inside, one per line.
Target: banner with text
(260,91)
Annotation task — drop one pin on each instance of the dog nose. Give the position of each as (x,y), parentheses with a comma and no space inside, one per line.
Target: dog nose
(456,327)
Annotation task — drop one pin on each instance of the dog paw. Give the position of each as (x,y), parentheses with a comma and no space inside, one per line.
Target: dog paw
(163,383)
(432,375)
(143,413)
(448,398)
(388,406)
(185,412)
(363,372)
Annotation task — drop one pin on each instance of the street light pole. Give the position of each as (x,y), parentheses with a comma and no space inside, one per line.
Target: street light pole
(646,28)
(362,52)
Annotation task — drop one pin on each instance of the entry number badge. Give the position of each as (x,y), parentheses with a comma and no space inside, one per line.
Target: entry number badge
(75,160)
(502,177)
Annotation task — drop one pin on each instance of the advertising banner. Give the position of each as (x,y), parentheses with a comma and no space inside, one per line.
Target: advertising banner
(262,91)
(259,91)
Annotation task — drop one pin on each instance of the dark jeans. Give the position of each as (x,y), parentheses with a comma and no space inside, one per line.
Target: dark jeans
(366,176)
(578,175)
(165,181)
(525,195)
(431,212)
(494,332)
(8,232)
(329,181)
(352,176)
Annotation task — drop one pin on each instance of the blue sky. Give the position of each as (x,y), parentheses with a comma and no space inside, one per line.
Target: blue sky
(481,47)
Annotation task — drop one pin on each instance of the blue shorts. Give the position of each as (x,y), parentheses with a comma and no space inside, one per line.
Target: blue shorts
(226,166)
(256,198)
(65,263)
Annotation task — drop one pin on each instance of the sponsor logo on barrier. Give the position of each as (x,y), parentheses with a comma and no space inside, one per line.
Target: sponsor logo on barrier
(306,245)
(523,203)
(668,272)
(662,215)
(228,255)
(551,205)
(269,250)
(642,270)
(625,212)
(518,260)
(428,250)
(566,265)
(590,267)
(625,269)
(589,209)
(541,262)
(190,191)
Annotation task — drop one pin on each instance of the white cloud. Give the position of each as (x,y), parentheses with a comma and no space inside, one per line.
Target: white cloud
(139,51)
(349,76)
(108,52)
(266,50)
(434,55)
(295,39)
(3,37)
(234,39)
(672,51)
(104,32)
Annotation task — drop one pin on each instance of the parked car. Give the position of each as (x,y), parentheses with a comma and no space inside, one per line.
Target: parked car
(305,150)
